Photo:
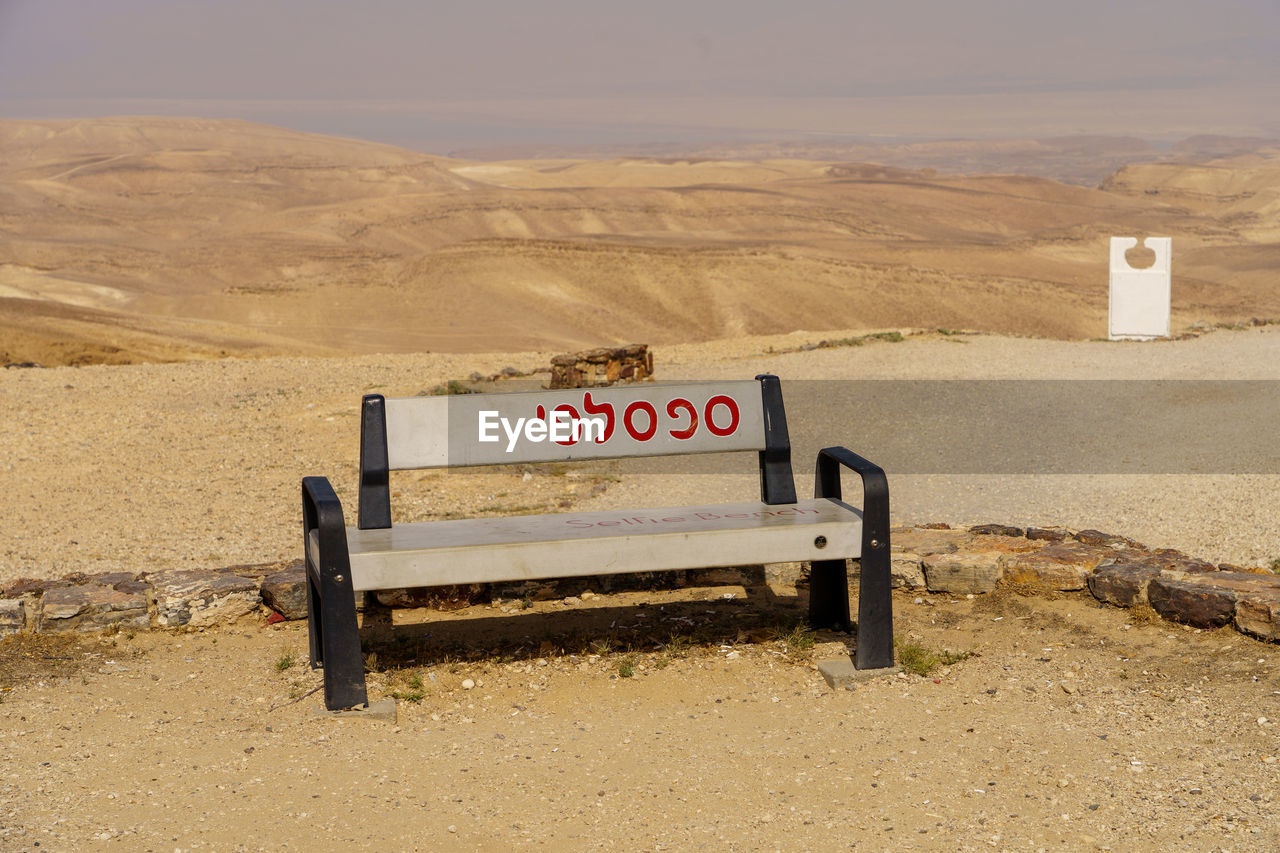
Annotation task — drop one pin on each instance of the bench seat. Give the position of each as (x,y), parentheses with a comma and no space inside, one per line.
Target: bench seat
(485,550)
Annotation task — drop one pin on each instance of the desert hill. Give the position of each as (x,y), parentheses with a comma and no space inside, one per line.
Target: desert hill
(1082,160)
(130,239)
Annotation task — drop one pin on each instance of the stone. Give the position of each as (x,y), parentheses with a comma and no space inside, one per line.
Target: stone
(203,598)
(1002,545)
(13,616)
(257,571)
(783,577)
(451,597)
(286,592)
(1107,540)
(726,576)
(968,572)
(1180,599)
(114,579)
(601,367)
(1123,580)
(924,542)
(1258,614)
(1172,560)
(841,674)
(23,587)
(1252,570)
(907,571)
(1061,566)
(1049,534)
(996,530)
(92,607)
(382,709)
(1122,584)
(522,590)
(1240,582)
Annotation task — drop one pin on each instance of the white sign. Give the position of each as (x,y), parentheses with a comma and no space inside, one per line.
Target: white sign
(571,424)
(1140,298)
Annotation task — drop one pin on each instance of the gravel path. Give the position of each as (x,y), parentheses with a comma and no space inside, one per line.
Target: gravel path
(145,467)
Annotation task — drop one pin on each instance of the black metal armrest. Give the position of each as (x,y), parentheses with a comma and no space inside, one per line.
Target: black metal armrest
(322,512)
(875,492)
(875,599)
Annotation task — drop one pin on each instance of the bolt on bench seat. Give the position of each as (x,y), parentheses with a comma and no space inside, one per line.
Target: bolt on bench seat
(712,417)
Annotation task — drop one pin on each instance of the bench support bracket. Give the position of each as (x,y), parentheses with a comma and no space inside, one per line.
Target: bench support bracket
(776,483)
(828,579)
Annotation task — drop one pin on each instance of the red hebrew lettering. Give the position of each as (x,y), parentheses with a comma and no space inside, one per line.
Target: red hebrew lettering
(734,415)
(676,405)
(593,408)
(628,420)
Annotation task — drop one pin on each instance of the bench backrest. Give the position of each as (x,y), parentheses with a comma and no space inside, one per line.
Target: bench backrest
(572,425)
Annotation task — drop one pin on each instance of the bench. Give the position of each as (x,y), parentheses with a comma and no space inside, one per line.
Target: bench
(581,424)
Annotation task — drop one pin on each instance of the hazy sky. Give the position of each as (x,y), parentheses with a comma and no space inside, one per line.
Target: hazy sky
(540,68)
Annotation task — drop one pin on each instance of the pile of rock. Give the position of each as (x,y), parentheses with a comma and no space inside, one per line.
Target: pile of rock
(599,367)
(120,600)
(1114,569)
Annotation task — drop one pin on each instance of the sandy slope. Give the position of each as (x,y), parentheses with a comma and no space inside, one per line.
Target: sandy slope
(137,239)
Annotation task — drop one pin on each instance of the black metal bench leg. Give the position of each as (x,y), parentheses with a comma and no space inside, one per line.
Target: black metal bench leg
(340,640)
(828,585)
(875,609)
(333,629)
(315,631)
(829,595)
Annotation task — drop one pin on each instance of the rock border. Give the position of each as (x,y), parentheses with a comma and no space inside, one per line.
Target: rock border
(936,558)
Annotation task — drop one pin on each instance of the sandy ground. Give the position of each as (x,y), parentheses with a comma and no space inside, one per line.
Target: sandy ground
(1069,729)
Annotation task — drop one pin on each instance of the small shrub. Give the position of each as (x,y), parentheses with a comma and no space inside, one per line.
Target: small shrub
(917,659)
(677,646)
(1143,614)
(286,660)
(453,386)
(627,667)
(414,696)
(799,642)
